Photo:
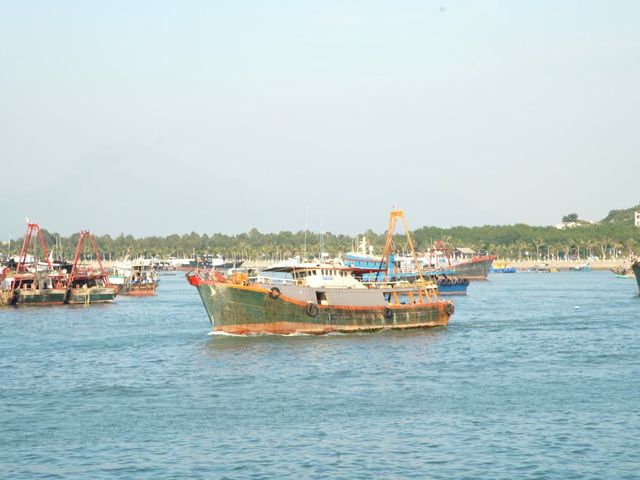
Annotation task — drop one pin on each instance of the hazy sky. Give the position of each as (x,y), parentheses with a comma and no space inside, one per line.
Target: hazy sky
(152,117)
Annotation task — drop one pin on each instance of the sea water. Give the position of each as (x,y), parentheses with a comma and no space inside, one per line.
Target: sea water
(536,376)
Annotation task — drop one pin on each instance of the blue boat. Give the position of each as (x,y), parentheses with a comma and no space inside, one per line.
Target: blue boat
(368,268)
(503,270)
(500,266)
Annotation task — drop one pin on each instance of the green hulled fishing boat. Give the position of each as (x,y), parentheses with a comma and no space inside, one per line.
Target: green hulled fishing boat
(33,283)
(315,298)
(87,285)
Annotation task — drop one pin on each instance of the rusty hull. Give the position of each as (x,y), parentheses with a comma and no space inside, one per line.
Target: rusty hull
(242,309)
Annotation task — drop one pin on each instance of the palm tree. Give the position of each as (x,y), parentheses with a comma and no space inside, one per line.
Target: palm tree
(538,242)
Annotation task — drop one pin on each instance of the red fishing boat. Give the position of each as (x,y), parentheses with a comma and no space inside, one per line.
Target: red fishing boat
(86,284)
(30,285)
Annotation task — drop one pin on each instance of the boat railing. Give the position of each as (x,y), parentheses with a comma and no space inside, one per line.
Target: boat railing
(401,284)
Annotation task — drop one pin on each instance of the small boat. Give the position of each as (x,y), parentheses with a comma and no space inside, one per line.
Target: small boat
(135,278)
(585,267)
(317,298)
(86,285)
(543,268)
(500,266)
(623,271)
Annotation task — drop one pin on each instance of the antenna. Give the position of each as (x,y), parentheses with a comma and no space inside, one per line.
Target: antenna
(306,227)
(321,231)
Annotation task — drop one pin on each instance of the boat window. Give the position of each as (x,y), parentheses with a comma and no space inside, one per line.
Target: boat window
(321,298)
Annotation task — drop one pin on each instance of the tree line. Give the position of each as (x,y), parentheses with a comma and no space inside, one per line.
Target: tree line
(514,242)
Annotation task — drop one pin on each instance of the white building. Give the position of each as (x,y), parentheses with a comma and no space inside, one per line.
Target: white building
(637,219)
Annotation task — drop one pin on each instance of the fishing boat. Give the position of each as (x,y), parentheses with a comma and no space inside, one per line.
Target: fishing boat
(87,285)
(136,278)
(317,298)
(635,266)
(29,284)
(459,262)
(368,267)
(204,262)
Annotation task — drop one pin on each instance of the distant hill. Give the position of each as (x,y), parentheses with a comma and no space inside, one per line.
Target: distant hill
(621,216)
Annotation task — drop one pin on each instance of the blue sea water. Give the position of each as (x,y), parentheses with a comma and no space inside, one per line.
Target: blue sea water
(536,376)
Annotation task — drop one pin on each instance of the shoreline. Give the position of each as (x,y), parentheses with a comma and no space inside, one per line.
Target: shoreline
(565,265)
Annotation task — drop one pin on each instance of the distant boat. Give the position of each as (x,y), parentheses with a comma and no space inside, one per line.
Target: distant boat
(585,267)
(459,262)
(368,267)
(87,285)
(623,271)
(29,284)
(136,278)
(204,262)
(500,266)
(543,268)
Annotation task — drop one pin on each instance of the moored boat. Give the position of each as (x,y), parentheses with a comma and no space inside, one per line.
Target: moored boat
(32,284)
(86,285)
(500,266)
(459,262)
(316,298)
(584,267)
(37,289)
(135,278)
(623,271)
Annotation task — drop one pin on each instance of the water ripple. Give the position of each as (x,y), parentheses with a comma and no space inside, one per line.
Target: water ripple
(522,384)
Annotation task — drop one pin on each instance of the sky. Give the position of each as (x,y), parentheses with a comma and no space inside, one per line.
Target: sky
(159,117)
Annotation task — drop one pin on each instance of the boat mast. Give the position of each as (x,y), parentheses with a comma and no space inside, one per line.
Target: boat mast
(394,215)
(306,227)
(76,257)
(26,241)
(321,232)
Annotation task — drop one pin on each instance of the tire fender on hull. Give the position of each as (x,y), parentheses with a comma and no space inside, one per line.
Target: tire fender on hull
(311,309)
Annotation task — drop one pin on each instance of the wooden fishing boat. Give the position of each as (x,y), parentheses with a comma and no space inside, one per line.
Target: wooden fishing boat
(316,298)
